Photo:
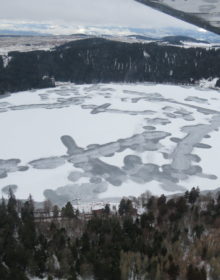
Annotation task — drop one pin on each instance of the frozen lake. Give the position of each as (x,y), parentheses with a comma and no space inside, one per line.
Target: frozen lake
(100,141)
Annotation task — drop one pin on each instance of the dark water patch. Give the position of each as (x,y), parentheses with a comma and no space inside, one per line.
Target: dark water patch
(95,180)
(100,109)
(158,121)
(44,96)
(105,109)
(10,165)
(146,141)
(149,127)
(74,176)
(71,145)
(181,113)
(23,168)
(165,155)
(48,163)
(84,192)
(202,146)
(175,139)
(207,136)
(202,110)
(9,188)
(168,109)
(3,174)
(196,99)
(112,174)
(132,161)
(146,173)
(194,158)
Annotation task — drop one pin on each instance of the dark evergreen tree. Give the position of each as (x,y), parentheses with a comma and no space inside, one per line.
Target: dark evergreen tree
(173,271)
(68,211)
(107,209)
(194,273)
(193,195)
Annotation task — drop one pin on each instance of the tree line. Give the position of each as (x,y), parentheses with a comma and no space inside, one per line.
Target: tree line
(173,238)
(97,60)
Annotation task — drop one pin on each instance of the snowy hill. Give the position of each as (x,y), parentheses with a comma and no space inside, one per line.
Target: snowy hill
(96,60)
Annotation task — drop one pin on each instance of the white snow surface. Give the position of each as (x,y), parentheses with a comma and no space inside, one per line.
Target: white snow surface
(107,115)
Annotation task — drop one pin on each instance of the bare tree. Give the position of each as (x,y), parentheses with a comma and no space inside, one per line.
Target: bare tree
(47,207)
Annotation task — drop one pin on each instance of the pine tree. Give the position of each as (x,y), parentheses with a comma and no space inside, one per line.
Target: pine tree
(68,211)
(107,209)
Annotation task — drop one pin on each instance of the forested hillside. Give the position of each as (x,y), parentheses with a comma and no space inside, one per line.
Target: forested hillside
(173,238)
(100,60)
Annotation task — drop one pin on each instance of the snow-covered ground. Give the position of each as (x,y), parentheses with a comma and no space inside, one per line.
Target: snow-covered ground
(104,141)
(19,43)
